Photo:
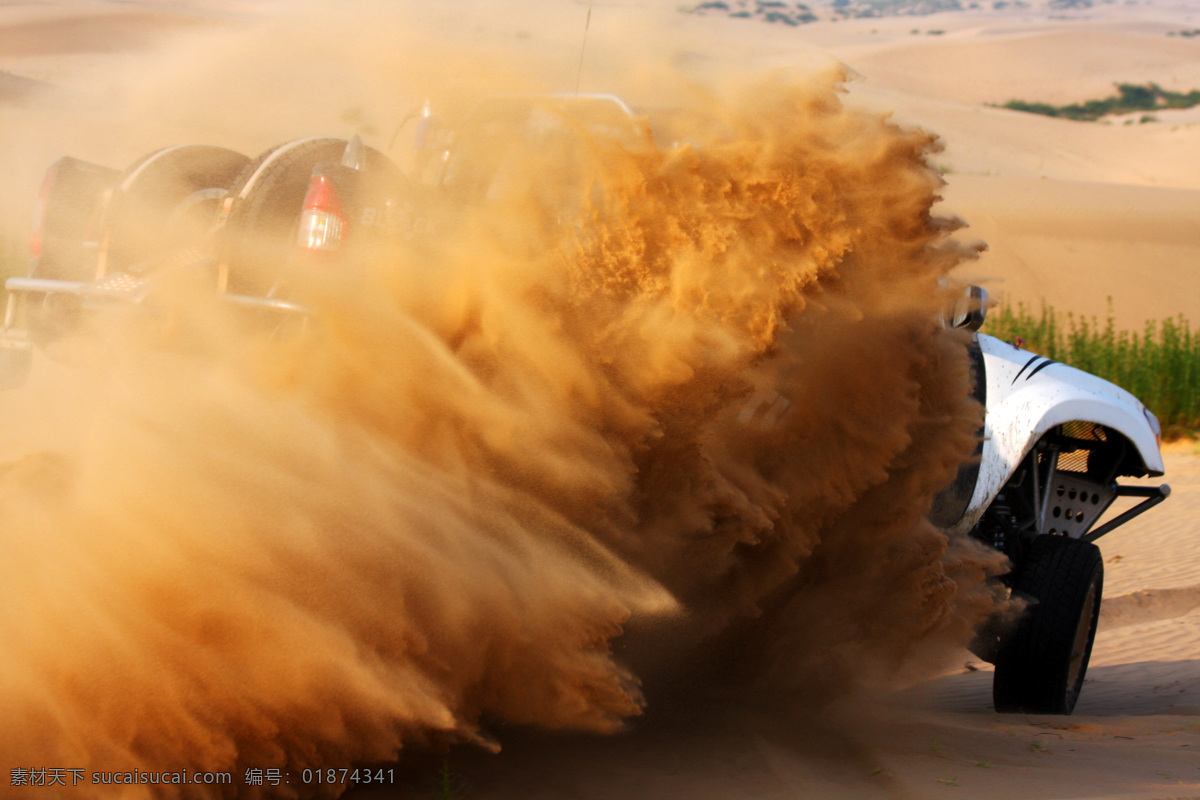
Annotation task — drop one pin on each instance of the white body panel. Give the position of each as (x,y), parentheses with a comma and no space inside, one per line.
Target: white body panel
(1027,396)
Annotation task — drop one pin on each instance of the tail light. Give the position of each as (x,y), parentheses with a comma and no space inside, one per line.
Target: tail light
(39,212)
(322,223)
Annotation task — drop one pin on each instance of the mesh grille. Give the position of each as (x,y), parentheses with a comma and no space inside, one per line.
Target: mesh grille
(1085,430)
(1073,461)
(1075,458)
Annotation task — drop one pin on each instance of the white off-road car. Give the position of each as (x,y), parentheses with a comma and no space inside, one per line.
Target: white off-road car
(1054,444)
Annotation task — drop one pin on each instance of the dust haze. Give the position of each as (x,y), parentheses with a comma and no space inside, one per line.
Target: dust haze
(685,396)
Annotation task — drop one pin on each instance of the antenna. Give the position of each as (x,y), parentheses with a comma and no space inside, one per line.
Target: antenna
(583,47)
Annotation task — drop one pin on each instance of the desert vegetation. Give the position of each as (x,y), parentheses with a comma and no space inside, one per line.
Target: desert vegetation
(893,8)
(1130,98)
(765,10)
(1160,365)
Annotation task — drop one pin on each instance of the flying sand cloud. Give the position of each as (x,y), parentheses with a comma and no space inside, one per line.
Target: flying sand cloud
(711,395)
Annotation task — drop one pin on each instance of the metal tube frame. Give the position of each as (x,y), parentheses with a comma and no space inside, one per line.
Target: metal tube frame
(1153,494)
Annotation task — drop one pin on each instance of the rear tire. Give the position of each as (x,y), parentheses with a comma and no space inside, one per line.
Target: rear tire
(164,203)
(259,235)
(1041,665)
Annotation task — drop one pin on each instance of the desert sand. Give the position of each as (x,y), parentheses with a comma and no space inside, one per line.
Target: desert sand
(1076,215)
(1134,733)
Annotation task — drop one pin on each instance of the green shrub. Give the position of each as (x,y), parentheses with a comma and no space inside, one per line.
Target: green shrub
(1129,98)
(1160,365)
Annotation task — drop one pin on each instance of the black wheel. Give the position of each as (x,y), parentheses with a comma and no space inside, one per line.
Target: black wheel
(260,232)
(166,202)
(259,236)
(1041,664)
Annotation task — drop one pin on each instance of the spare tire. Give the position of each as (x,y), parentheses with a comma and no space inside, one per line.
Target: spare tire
(165,202)
(259,234)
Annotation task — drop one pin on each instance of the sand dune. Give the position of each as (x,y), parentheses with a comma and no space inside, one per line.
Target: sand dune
(16,89)
(1049,63)
(997,161)
(102,33)
(1084,247)
(1062,204)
